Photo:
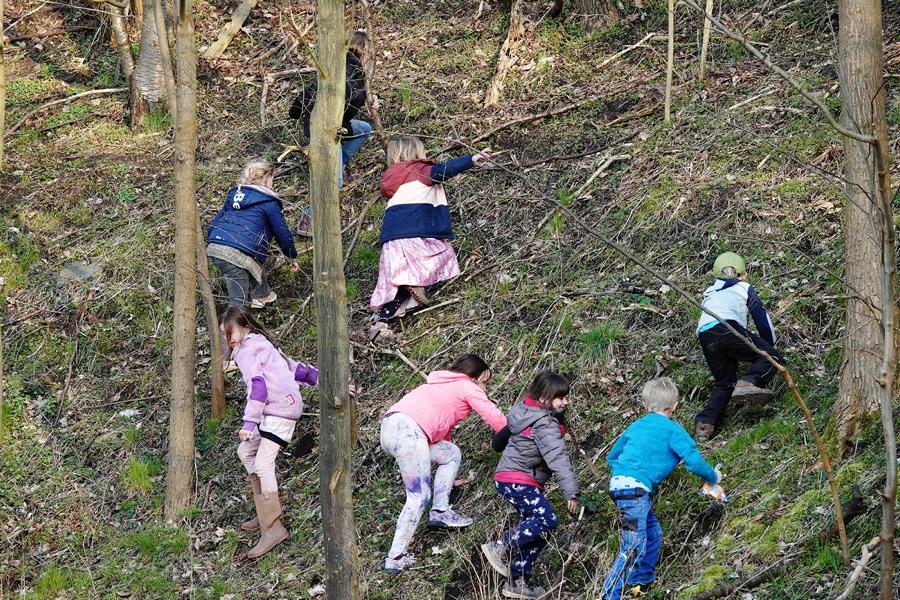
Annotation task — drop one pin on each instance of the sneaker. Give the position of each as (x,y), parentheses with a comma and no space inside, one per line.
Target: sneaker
(448,518)
(261,302)
(496,555)
(396,565)
(703,432)
(519,589)
(746,392)
(304,225)
(228,366)
(639,590)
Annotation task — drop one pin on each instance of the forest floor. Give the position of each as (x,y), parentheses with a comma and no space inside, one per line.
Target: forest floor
(86,253)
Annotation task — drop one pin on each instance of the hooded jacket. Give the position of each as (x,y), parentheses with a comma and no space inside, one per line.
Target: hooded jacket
(536,449)
(446,399)
(354,96)
(417,206)
(733,300)
(251,216)
(272,380)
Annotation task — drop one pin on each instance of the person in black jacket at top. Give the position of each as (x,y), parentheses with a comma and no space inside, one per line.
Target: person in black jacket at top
(358,131)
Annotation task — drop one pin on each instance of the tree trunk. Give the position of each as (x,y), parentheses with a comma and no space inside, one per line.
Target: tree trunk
(2,103)
(519,24)
(597,14)
(121,42)
(181,416)
(860,59)
(165,57)
(216,375)
(147,78)
(335,471)
(870,361)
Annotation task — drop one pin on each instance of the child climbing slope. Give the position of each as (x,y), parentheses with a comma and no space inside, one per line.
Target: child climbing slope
(733,299)
(416,233)
(535,451)
(273,406)
(416,432)
(643,456)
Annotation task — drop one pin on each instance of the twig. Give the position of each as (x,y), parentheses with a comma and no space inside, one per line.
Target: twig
(370,73)
(227,33)
(42,107)
(359,223)
(46,34)
(401,356)
(704,46)
(868,551)
(757,579)
(607,161)
(65,390)
(268,80)
(627,49)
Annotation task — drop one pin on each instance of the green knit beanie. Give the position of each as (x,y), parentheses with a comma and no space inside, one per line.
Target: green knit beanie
(729,259)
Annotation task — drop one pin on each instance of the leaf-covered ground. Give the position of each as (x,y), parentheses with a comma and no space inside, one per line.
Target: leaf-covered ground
(745,165)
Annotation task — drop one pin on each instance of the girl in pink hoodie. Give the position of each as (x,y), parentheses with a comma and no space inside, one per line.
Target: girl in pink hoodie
(416,432)
(274,404)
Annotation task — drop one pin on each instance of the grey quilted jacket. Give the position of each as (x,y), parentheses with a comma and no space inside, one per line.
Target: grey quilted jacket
(536,447)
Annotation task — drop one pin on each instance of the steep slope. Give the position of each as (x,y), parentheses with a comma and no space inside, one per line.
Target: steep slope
(745,165)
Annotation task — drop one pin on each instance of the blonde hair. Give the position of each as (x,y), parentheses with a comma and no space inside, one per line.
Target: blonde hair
(659,394)
(256,172)
(404,148)
(359,43)
(729,272)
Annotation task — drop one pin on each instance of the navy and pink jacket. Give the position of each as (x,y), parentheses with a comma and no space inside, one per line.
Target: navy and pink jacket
(417,206)
(273,380)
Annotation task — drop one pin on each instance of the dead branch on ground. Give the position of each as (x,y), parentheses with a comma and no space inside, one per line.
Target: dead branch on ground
(44,107)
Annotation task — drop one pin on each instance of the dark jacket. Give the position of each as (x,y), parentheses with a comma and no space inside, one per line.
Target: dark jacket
(536,447)
(248,221)
(354,96)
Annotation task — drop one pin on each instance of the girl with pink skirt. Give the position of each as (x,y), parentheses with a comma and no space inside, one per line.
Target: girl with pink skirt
(416,233)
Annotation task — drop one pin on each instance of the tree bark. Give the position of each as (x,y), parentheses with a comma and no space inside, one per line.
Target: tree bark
(121,42)
(181,416)
(147,79)
(165,56)
(597,14)
(870,359)
(2,109)
(519,25)
(216,351)
(335,470)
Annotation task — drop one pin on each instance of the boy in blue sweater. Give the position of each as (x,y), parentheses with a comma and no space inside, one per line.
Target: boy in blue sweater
(734,300)
(644,455)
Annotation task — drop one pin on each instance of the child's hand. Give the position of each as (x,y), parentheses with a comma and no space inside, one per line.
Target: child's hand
(244,435)
(294,266)
(481,157)
(572,505)
(351,389)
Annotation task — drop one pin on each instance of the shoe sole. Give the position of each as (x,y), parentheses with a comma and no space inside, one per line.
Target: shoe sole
(442,525)
(506,594)
(753,398)
(492,560)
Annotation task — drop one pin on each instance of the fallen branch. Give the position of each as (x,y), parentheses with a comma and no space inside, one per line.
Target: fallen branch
(228,32)
(868,551)
(268,80)
(43,107)
(39,36)
(401,356)
(607,161)
(755,580)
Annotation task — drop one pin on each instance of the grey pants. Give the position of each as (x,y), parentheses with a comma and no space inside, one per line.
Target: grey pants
(240,283)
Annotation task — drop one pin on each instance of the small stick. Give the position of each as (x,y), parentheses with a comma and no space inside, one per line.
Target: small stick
(868,551)
(704,47)
(42,107)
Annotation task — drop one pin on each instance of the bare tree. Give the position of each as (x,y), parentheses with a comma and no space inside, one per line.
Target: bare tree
(335,472)
(181,416)
(2,93)
(147,78)
(597,14)
(120,39)
(870,366)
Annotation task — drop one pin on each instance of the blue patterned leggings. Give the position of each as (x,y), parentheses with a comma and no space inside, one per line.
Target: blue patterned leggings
(538,520)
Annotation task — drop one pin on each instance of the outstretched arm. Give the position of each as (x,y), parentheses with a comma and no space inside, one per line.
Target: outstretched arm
(686,449)
(760,316)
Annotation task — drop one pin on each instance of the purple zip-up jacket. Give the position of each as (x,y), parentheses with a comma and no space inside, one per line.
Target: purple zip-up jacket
(273,380)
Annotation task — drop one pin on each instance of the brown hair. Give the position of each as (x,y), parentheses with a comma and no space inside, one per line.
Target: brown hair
(404,148)
(548,386)
(359,43)
(256,171)
(470,364)
(238,316)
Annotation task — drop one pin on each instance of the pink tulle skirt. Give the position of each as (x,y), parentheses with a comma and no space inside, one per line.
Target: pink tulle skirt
(412,262)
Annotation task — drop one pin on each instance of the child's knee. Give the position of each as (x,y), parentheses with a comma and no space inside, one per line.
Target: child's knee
(552,521)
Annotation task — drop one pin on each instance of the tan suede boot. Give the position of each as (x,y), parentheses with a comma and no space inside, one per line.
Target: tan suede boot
(268,509)
(253,524)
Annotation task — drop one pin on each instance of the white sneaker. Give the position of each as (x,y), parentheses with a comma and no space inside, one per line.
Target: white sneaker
(261,302)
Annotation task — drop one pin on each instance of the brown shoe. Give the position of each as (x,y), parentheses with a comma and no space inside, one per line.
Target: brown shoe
(418,294)
(747,393)
(703,432)
(268,509)
(253,524)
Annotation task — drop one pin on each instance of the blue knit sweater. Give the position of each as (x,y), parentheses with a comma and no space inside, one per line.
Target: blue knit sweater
(651,448)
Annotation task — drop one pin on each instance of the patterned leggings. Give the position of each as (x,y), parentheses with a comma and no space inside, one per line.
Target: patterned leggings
(403,439)
(538,520)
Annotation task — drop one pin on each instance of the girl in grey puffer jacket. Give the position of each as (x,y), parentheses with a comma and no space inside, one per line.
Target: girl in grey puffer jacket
(535,450)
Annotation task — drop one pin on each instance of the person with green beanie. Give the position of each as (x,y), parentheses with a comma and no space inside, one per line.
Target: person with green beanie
(733,300)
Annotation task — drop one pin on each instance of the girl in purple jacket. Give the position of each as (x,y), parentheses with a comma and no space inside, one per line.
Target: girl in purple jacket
(274,404)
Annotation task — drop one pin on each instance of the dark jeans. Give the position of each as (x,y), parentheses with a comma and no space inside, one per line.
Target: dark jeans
(723,351)
(240,283)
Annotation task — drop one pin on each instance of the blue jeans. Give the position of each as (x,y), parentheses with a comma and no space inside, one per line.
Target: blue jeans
(351,145)
(639,546)
(538,520)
